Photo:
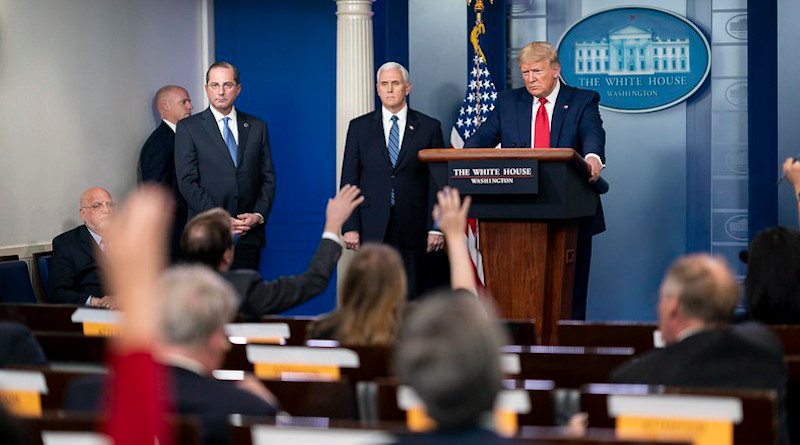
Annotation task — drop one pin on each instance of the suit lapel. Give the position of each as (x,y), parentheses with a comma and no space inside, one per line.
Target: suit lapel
(412,123)
(379,139)
(559,113)
(212,129)
(88,244)
(524,116)
(244,131)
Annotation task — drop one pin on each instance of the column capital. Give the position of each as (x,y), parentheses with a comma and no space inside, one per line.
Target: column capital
(354,7)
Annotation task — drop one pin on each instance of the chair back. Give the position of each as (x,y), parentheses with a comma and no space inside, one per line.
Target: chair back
(15,283)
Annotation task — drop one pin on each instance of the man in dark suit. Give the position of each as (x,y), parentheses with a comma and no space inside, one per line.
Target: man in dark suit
(74,273)
(157,159)
(222,159)
(195,306)
(549,114)
(696,304)
(207,240)
(380,157)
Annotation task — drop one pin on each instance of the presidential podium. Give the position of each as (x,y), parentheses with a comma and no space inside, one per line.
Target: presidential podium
(527,238)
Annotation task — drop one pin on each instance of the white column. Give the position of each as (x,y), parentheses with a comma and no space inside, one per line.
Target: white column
(355,79)
(355,76)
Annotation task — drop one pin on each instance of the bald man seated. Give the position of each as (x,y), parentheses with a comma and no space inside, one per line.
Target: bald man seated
(74,274)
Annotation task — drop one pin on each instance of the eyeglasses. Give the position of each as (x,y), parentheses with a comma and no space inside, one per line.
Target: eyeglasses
(227,86)
(98,205)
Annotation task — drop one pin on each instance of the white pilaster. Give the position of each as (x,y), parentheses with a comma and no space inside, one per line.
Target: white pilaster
(355,79)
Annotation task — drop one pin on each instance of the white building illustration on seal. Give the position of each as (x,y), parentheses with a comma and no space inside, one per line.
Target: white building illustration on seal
(632,50)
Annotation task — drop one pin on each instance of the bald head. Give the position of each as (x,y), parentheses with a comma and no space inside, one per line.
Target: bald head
(97,209)
(173,103)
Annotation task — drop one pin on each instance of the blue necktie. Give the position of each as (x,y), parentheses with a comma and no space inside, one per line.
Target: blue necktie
(394,148)
(229,140)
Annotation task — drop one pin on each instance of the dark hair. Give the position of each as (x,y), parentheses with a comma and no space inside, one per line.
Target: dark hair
(224,65)
(772,286)
(206,237)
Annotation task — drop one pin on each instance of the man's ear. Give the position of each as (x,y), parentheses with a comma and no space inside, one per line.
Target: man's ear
(227,257)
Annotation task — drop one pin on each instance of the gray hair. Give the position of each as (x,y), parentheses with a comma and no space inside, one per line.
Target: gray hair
(705,286)
(449,353)
(393,66)
(195,303)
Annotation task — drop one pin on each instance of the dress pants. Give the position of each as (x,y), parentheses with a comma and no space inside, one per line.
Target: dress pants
(583,259)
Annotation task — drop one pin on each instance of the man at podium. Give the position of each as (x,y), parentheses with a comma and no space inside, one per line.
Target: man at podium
(549,114)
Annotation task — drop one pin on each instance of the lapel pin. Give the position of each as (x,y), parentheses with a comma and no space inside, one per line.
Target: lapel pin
(565,107)
(246,125)
(410,127)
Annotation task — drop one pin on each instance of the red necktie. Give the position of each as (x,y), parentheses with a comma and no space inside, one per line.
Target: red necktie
(541,138)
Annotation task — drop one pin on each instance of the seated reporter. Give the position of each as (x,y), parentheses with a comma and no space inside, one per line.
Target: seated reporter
(208,239)
(74,271)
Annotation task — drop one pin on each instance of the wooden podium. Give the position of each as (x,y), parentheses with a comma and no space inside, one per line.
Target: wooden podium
(528,241)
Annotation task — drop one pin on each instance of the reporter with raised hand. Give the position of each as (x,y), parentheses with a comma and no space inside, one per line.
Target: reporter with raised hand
(450,214)
(139,236)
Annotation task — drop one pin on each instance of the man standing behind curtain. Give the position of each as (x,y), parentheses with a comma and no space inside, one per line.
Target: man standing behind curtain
(222,159)
(523,117)
(380,157)
(157,160)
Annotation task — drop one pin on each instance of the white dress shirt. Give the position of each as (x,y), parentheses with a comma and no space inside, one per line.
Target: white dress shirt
(170,125)
(402,117)
(232,123)
(549,107)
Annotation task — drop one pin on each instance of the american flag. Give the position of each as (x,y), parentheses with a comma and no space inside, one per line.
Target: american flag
(478,103)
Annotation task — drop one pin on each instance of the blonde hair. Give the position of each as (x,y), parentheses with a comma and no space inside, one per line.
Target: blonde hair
(373,299)
(538,51)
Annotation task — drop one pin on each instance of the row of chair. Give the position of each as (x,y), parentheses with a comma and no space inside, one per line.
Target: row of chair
(15,281)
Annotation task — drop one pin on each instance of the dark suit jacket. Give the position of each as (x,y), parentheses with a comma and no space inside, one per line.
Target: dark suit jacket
(18,346)
(157,164)
(207,177)
(576,124)
(367,165)
(747,356)
(210,400)
(74,274)
(259,297)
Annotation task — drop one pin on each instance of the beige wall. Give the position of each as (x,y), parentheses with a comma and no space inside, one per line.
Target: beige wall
(77,80)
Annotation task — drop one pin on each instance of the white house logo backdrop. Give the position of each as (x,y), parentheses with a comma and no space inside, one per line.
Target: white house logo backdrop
(638,59)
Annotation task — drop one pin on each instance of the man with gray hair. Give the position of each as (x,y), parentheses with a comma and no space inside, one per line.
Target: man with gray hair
(196,303)
(697,299)
(455,371)
(196,306)
(380,157)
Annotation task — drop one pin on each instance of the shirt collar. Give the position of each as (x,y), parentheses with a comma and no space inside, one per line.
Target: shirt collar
(183,362)
(218,116)
(688,332)
(551,98)
(97,238)
(401,115)
(170,125)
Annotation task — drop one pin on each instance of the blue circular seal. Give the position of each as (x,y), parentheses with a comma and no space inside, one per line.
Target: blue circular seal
(639,59)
